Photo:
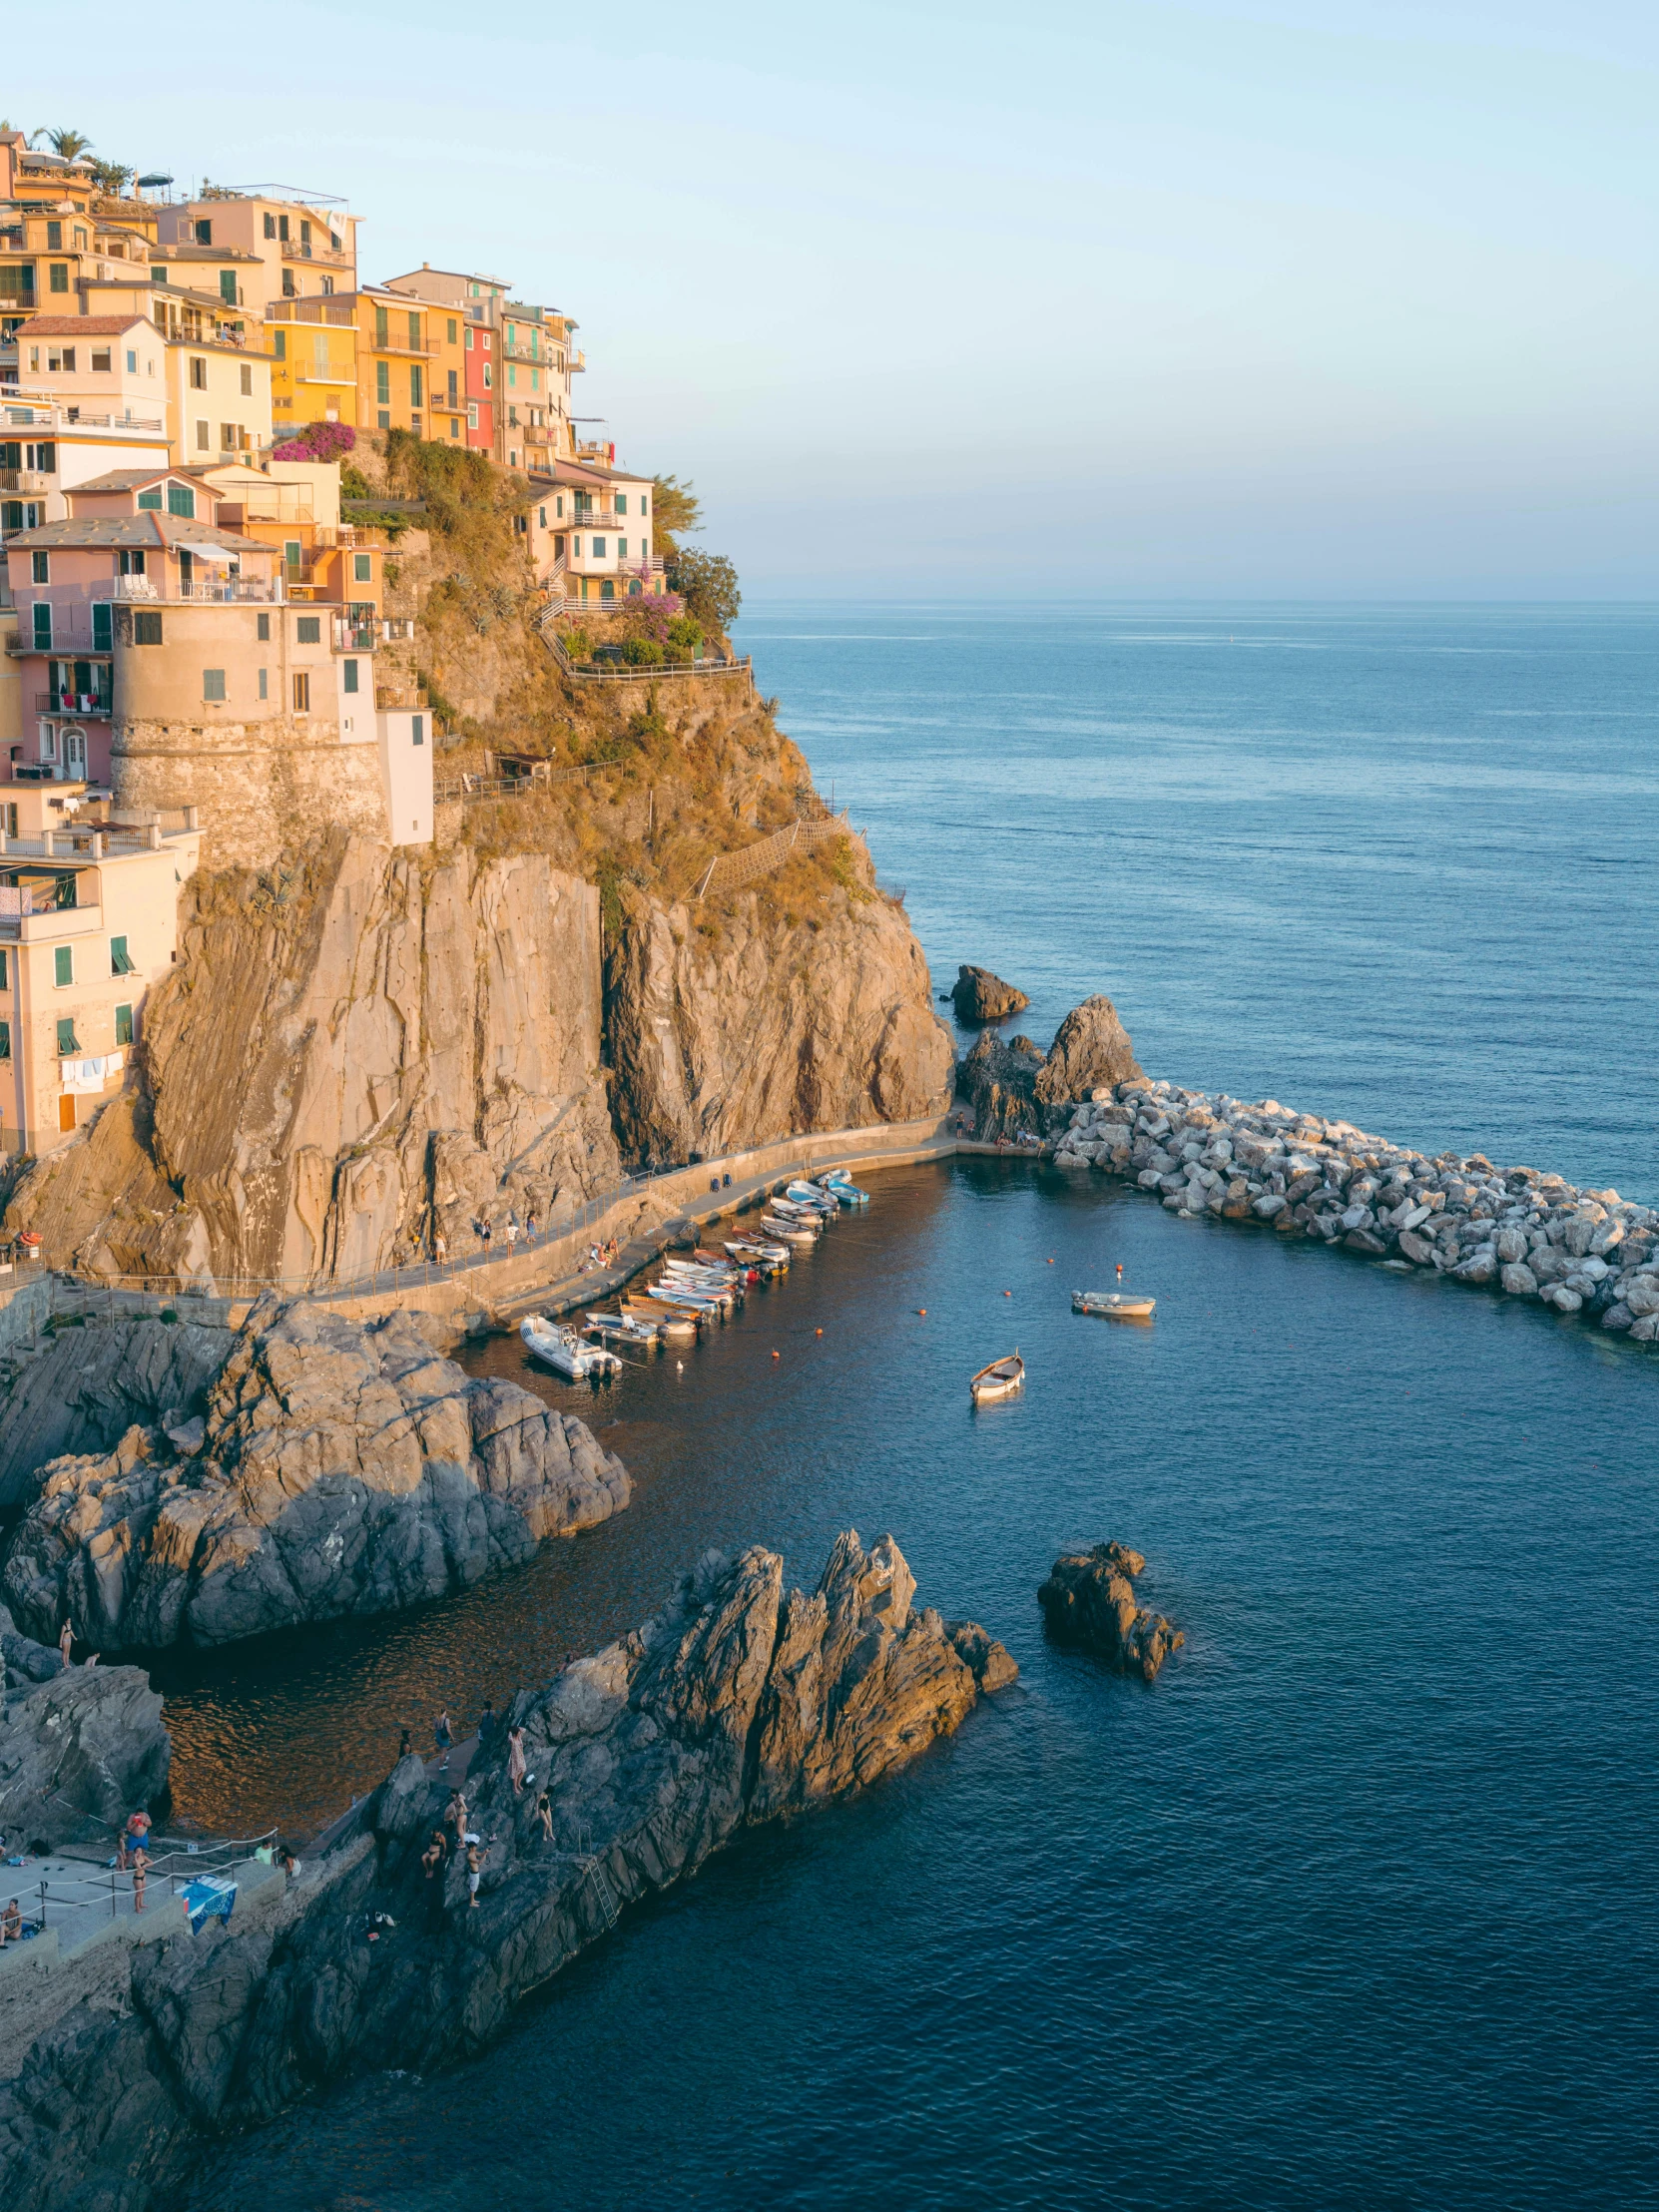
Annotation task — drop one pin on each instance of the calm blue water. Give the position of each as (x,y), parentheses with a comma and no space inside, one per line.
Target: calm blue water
(1355,1906)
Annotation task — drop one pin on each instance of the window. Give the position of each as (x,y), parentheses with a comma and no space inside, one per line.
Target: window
(308,629)
(469,339)
(348,679)
(146,628)
(149,499)
(54,237)
(212,683)
(489,380)
(132,363)
(43,456)
(453,328)
(17,282)
(414,333)
(416,384)
(622,549)
(281,345)
(381,326)
(132,563)
(203,443)
(622,503)
(417,729)
(598,548)
(101,361)
(269,225)
(124,1025)
(120,961)
(542,511)
(198,372)
(43,626)
(535,379)
(57,277)
(228,286)
(103,626)
(247,379)
(180,499)
(61,358)
(5,956)
(382,421)
(383,383)
(63,967)
(472,415)
(287,279)
(645,503)
(40,568)
(204,233)
(301,694)
(263,628)
(265,683)
(5,1040)
(293,553)
(455,390)
(229,436)
(282,229)
(305,233)
(363,568)
(328,285)
(559,506)
(512,376)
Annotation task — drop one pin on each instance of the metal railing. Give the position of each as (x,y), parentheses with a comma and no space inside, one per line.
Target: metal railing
(78,1905)
(709,666)
(89,705)
(731,871)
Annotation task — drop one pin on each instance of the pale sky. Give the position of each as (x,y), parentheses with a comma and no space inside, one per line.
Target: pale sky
(1306,299)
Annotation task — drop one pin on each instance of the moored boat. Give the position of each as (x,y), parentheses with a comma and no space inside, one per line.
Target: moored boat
(811,1199)
(1113,1305)
(622,1329)
(1001,1380)
(800,1233)
(676,1326)
(842,1189)
(761,1252)
(563,1350)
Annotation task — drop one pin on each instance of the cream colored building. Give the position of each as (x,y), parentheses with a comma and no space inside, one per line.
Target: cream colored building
(93,397)
(308,249)
(88,925)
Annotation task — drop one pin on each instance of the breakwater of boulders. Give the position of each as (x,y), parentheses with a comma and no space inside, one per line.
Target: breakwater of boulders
(1512,1229)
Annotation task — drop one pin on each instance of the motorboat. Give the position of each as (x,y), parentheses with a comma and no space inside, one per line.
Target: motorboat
(622,1329)
(814,1200)
(724,1286)
(673,1323)
(563,1350)
(798,1233)
(745,1270)
(689,1302)
(1001,1380)
(1113,1305)
(760,1252)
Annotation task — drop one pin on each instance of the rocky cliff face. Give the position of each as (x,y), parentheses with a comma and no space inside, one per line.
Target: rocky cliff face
(1089,1599)
(768,1029)
(735,1704)
(80,1748)
(338,1471)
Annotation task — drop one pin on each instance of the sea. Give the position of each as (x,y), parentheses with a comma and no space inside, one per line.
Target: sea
(1355,1906)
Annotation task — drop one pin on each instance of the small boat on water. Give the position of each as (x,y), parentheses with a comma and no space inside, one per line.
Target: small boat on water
(842,1189)
(1113,1305)
(689,1302)
(760,1252)
(675,1325)
(1001,1380)
(563,1350)
(622,1329)
(800,1233)
(810,1199)
(745,1270)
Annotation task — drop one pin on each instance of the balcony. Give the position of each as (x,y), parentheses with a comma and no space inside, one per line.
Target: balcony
(355,637)
(331,256)
(25,479)
(111,421)
(405,351)
(150,591)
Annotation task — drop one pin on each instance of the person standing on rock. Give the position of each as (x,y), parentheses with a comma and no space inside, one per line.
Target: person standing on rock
(11,1924)
(66,1637)
(454,1814)
(529,1225)
(517,1764)
(440,1248)
(486,1727)
(140,1870)
(405,1744)
(512,1235)
(485,1232)
(433,1861)
(544,1813)
(474,1868)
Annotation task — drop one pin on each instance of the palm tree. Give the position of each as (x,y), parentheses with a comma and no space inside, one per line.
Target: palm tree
(67,145)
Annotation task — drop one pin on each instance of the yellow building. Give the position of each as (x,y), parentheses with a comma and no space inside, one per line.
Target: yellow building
(411,365)
(313,365)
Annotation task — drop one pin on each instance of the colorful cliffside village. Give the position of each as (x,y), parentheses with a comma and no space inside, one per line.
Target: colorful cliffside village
(192,619)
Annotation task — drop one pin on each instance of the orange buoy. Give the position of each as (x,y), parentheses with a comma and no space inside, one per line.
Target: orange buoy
(817,1331)
(922,1311)
(1007,1293)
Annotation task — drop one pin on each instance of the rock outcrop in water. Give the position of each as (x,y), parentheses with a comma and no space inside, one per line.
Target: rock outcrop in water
(1526,1234)
(339,1471)
(1089,1599)
(80,1747)
(978,995)
(1014,1088)
(737,1703)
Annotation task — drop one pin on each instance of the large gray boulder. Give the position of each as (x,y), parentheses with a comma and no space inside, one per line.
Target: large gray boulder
(1089,1599)
(978,995)
(1091,1051)
(339,1471)
(79,1752)
(998,1083)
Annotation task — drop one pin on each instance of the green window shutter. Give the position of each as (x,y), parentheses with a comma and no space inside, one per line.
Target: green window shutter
(62,965)
(67,1042)
(308,629)
(380,337)
(180,500)
(124,1025)
(383,383)
(43,626)
(363,568)
(228,286)
(279,345)
(414,333)
(5,1040)
(103,626)
(120,959)
(415,384)
(350,680)
(212,683)
(149,500)
(147,626)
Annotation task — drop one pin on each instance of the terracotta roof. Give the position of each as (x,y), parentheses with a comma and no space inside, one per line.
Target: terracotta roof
(79,325)
(122,479)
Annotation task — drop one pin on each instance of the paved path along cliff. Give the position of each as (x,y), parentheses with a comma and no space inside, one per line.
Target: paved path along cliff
(739,1702)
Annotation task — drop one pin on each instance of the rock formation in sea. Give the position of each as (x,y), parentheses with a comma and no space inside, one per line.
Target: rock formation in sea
(978,995)
(1527,1234)
(338,1471)
(1014,1086)
(737,1703)
(1089,1599)
(80,1747)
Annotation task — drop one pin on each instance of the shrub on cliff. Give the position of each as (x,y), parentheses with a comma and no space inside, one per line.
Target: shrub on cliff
(642,653)
(707,583)
(320,441)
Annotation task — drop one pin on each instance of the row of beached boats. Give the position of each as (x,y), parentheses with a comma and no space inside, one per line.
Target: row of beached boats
(692,1292)
(1003,1378)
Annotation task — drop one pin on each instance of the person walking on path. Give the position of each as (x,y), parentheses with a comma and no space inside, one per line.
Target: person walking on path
(485,1232)
(512,1235)
(440,1248)
(66,1637)
(140,1869)
(442,1734)
(529,1225)
(516,1761)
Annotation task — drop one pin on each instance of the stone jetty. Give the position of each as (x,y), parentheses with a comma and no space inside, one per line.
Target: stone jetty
(740,1701)
(1514,1229)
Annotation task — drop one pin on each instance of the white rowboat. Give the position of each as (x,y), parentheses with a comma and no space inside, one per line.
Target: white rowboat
(1113,1305)
(1001,1380)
